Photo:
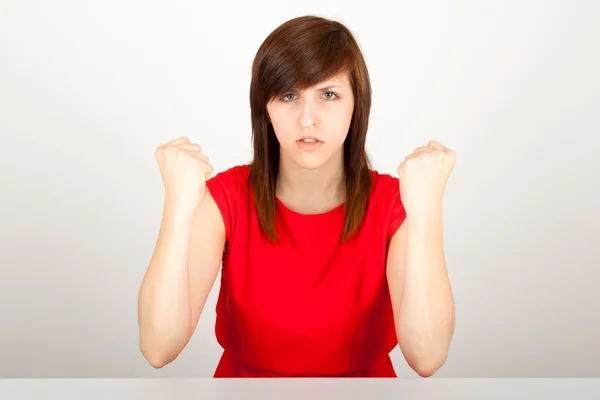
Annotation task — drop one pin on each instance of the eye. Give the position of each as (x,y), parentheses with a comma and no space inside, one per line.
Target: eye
(334,96)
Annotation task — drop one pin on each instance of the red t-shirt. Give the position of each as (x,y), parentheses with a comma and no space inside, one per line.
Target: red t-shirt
(311,307)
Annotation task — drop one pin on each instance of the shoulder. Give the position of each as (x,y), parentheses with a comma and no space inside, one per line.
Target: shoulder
(384,185)
(385,197)
(229,181)
(232,174)
(228,189)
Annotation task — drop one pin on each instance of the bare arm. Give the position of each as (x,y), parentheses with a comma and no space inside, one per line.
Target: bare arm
(181,273)
(421,295)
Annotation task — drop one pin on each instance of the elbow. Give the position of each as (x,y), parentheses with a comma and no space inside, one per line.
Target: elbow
(425,355)
(159,349)
(425,371)
(423,358)
(427,367)
(156,360)
(156,357)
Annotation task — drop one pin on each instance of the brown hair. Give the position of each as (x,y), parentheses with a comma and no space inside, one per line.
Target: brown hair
(299,54)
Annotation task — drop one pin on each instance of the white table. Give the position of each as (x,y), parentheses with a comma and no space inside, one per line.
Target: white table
(299,388)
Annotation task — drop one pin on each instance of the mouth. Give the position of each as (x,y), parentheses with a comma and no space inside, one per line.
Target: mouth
(309,139)
(309,143)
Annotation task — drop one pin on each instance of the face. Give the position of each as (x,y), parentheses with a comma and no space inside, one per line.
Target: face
(311,126)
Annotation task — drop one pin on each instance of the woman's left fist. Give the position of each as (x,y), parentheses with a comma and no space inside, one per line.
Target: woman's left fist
(423,176)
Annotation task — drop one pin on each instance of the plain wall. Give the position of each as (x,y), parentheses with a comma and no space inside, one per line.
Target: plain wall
(89,89)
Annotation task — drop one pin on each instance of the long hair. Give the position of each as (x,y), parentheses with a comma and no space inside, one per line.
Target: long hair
(299,54)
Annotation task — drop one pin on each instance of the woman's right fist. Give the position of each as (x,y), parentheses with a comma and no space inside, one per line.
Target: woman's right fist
(184,171)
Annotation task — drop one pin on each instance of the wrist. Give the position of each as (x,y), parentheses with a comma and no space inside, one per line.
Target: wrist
(424,217)
(179,208)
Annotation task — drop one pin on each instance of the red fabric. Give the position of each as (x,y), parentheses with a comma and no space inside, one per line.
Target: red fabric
(311,307)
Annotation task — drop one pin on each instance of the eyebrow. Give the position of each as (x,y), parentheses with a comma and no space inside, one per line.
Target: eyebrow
(325,87)
(331,86)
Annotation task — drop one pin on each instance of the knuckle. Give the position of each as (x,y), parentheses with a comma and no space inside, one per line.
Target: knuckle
(199,162)
(170,151)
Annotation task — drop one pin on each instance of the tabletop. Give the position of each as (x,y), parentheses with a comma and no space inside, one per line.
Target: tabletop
(299,388)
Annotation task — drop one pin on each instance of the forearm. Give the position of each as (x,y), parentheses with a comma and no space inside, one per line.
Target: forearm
(164,309)
(426,317)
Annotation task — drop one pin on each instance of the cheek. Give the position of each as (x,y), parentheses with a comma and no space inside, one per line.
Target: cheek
(341,122)
(283,131)
(343,112)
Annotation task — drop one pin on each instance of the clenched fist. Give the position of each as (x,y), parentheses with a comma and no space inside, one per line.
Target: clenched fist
(184,171)
(423,177)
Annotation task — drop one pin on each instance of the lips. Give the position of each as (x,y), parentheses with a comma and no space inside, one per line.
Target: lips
(309,139)
(309,143)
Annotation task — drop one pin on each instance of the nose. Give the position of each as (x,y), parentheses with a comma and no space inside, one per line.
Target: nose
(307,117)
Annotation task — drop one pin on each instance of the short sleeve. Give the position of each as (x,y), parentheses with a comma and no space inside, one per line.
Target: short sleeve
(397,214)
(223,188)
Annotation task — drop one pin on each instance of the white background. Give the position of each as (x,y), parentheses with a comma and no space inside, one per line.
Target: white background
(88,90)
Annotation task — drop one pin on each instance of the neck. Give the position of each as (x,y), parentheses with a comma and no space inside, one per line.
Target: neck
(312,190)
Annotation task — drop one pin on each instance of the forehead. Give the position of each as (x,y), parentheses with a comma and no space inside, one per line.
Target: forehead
(342,79)
(337,82)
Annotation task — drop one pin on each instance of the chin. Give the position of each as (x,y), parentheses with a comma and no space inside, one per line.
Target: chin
(310,165)
(311,161)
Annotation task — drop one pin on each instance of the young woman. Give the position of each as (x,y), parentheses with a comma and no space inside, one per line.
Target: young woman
(327,264)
